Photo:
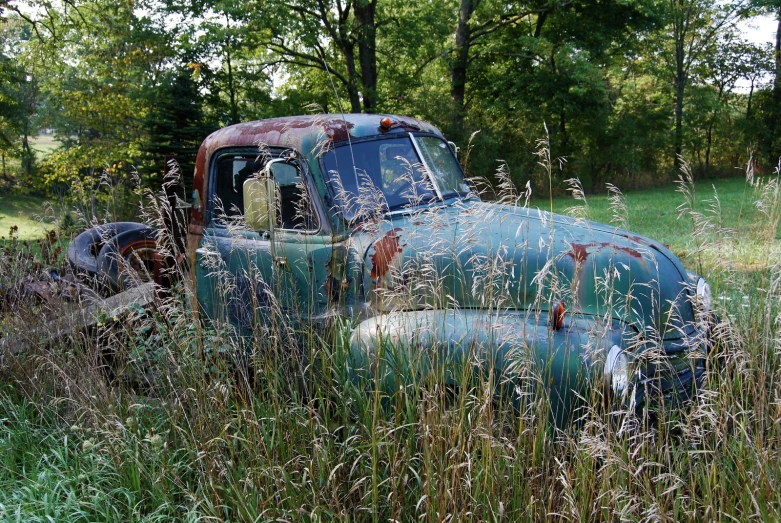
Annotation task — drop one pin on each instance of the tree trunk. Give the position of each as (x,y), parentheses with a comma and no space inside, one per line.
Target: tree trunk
(367,51)
(348,49)
(777,80)
(709,131)
(563,130)
(776,113)
(680,89)
(540,23)
(234,109)
(708,143)
(27,155)
(458,69)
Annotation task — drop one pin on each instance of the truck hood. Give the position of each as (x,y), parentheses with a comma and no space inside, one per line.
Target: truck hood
(478,255)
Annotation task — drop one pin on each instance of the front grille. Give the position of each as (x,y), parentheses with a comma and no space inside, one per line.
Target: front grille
(668,378)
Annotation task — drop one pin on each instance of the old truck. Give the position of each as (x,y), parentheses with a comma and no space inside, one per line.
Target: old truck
(369,218)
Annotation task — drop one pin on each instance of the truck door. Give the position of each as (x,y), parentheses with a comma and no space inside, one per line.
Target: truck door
(249,277)
(301,248)
(233,264)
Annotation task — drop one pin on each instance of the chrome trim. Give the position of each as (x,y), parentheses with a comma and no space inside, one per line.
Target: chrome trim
(429,172)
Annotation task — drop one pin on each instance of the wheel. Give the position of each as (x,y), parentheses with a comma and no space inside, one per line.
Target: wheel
(83,250)
(128,258)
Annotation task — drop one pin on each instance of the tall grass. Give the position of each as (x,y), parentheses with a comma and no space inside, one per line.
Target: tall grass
(162,415)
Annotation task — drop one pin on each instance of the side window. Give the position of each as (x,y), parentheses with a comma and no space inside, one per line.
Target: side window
(295,210)
(232,171)
(295,206)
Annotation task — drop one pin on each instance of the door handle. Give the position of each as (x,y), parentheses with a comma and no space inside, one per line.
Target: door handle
(206,252)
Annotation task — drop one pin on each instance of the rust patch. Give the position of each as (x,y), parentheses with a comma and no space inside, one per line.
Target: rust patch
(578,252)
(385,249)
(338,130)
(199,184)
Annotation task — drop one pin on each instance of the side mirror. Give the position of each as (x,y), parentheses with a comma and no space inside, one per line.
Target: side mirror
(260,204)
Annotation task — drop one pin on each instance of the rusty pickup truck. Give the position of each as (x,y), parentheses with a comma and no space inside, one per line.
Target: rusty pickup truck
(369,218)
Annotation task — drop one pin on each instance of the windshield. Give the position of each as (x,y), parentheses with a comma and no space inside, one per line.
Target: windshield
(439,158)
(388,174)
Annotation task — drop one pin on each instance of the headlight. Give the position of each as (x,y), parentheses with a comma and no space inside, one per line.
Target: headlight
(616,374)
(704,297)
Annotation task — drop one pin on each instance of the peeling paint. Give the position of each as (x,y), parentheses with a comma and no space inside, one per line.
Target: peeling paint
(385,249)
(580,252)
(628,250)
(339,130)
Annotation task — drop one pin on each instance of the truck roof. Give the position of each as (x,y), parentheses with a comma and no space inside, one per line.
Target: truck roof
(289,131)
(297,132)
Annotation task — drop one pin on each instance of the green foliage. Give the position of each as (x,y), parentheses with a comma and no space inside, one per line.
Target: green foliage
(119,86)
(175,125)
(18,94)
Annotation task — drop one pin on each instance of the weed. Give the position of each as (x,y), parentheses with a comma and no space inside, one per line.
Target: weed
(200,422)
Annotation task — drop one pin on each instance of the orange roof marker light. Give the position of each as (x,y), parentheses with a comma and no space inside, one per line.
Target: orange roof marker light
(386,123)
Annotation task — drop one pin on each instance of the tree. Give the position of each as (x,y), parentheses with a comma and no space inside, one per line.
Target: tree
(365,16)
(533,33)
(470,29)
(565,68)
(175,124)
(226,55)
(773,8)
(94,61)
(723,65)
(18,97)
(323,35)
(693,25)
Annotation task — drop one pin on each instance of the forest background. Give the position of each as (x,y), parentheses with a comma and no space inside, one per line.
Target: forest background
(623,87)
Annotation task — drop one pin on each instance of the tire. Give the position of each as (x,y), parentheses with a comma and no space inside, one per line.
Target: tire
(128,258)
(83,250)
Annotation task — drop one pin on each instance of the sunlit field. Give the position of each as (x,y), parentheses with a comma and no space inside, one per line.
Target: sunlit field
(29,214)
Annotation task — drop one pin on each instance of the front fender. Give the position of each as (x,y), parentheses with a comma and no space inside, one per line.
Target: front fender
(516,349)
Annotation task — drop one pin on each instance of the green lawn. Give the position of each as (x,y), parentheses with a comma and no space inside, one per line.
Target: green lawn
(653,212)
(29,213)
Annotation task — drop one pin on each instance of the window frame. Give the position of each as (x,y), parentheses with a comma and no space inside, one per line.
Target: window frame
(211,218)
